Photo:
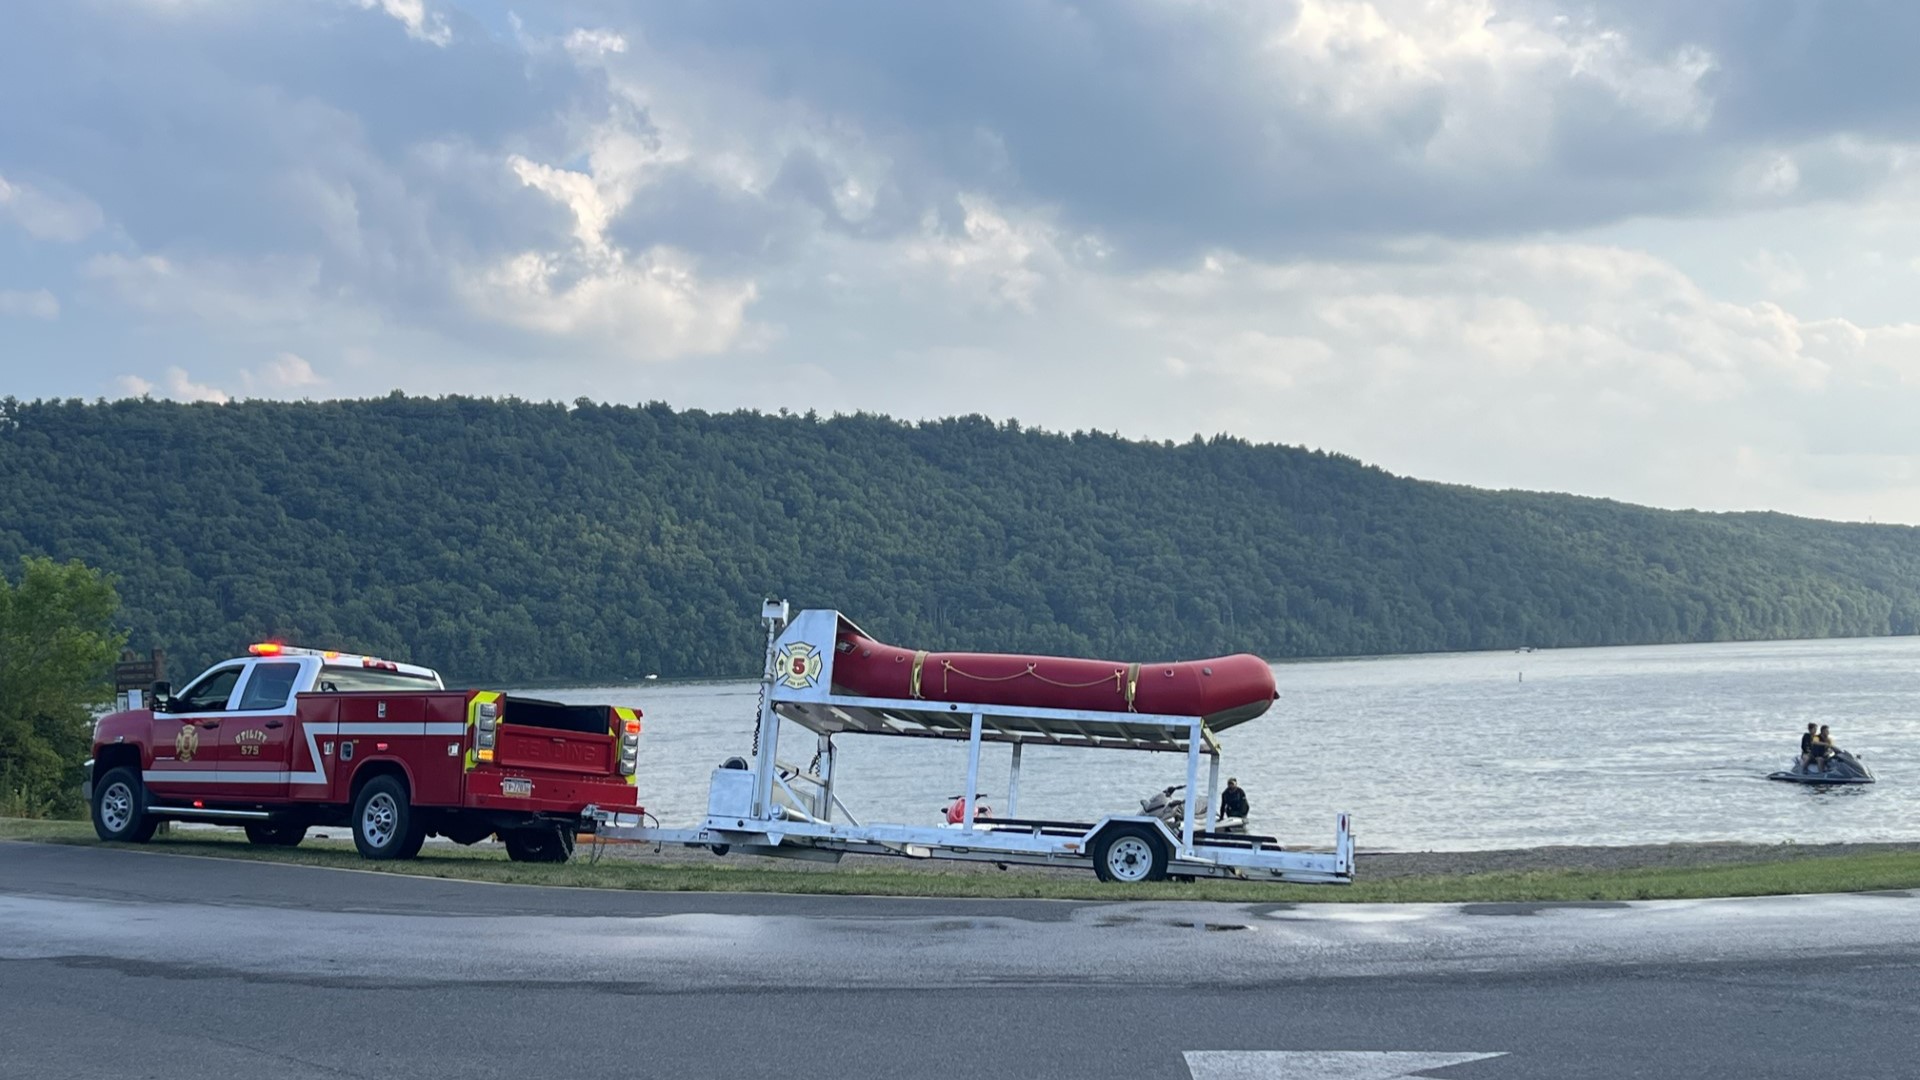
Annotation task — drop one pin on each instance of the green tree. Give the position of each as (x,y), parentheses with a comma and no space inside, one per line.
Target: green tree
(57,646)
(512,541)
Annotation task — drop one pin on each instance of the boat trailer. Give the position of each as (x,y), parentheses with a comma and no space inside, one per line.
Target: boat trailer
(767,806)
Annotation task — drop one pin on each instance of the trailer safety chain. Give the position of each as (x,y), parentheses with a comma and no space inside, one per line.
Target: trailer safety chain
(766,679)
(759,708)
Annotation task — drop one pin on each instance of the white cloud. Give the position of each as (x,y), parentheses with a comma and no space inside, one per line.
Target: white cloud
(1526,242)
(36,304)
(1469,87)
(592,207)
(177,384)
(1534,365)
(1778,273)
(46,216)
(648,304)
(588,44)
(285,373)
(424,25)
(213,291)
(995,259)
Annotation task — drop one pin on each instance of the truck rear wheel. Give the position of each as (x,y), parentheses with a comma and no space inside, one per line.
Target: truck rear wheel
(552,845)
(275,833)
(1129,853)
(120,808)
(384,824)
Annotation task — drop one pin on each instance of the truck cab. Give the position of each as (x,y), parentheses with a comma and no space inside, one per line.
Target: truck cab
(284,739)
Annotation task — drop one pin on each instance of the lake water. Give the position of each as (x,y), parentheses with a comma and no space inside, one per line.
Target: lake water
(1458,751)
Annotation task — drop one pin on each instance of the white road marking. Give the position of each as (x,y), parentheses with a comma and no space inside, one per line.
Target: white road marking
(1320,1064)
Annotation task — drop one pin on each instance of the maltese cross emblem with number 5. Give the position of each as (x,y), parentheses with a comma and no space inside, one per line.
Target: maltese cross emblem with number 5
(798,665)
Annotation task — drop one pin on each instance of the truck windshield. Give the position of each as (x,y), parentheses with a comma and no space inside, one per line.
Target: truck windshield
(341,680)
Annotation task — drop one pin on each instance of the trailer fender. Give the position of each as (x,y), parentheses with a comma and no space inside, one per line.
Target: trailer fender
(1167,836)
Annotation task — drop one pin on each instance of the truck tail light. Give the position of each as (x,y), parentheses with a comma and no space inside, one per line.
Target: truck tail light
(630,748)
(485,729)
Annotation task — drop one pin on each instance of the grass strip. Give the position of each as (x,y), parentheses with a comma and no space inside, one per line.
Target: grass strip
(1811,873)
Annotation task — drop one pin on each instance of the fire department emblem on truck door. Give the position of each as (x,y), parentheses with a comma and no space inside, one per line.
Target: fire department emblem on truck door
(798,665)
(187,743)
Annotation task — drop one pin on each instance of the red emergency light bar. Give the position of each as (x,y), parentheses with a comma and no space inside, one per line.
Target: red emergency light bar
(275,648)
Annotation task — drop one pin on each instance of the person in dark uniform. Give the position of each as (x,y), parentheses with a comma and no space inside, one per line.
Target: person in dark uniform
(1233,801)
(1806,745)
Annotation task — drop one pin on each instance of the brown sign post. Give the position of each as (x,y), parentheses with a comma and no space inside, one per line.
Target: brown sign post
(135,672)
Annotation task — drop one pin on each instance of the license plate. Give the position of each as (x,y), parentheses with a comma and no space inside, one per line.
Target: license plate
(521,788)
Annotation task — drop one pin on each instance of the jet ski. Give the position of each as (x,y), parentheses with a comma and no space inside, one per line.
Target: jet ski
(1168,807)
(1841,768)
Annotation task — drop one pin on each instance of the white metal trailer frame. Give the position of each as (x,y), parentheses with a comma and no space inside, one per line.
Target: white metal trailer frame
(758,810)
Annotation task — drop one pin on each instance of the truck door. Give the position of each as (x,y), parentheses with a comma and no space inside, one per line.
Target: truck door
(184,737)
(255,743)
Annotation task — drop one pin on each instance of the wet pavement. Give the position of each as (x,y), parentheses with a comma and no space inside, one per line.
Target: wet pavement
(146,964)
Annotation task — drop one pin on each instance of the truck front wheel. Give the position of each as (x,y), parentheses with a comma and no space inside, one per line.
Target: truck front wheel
(384,824)
(120,808)
(539,845)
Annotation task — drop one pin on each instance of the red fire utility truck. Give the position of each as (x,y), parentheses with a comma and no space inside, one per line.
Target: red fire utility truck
(285,739)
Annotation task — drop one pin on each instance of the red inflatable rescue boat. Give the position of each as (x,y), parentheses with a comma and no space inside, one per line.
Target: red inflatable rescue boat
(1225,690)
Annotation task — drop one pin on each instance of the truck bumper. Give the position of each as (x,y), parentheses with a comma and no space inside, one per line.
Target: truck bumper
(548,794)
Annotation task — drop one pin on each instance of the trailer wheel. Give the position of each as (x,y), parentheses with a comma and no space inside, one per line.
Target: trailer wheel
(552,845)
(120,808)
(1129,853)
(275,833)
(384,825)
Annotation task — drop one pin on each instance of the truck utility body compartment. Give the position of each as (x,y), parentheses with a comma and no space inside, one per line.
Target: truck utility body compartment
(541,750)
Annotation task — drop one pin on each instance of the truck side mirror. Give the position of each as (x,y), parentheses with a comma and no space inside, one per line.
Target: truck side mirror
(162,694)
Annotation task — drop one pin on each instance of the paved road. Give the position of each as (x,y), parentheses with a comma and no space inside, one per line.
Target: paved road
(119,963)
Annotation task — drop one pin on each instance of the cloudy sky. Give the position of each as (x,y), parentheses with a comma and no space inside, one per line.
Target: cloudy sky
(1661,252)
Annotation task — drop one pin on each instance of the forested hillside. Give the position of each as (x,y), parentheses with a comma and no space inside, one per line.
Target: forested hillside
(513,541)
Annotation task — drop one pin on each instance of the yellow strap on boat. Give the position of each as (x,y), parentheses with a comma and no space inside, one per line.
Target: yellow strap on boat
(919,661)
(1133,685)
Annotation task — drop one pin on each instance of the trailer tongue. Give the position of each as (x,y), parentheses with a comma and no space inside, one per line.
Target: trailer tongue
(765,806)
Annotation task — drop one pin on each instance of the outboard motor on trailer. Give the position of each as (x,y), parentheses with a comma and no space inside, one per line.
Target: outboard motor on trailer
(1166,805)
(1841,768)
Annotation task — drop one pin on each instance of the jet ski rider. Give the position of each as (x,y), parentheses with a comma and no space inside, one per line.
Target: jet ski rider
(1823,748)
(1806,745)
(1233,801)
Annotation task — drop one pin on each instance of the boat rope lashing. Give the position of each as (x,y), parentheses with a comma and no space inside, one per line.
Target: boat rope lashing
(949,668)
(1133,685)
(919,661)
